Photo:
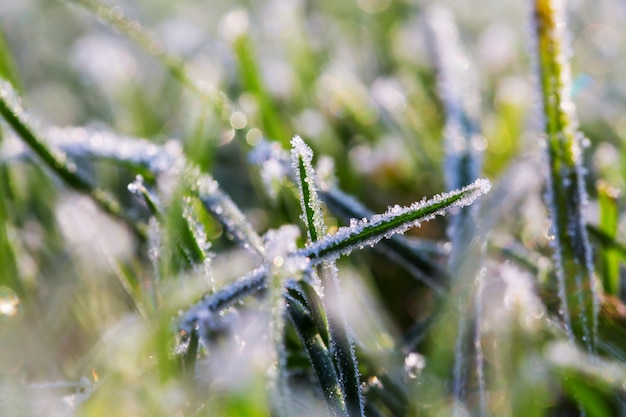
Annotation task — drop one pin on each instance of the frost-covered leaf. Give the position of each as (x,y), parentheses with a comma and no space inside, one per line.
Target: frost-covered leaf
(566,196)
(368,232)
(302,161)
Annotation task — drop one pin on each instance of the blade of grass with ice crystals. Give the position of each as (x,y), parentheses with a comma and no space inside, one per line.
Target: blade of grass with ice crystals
(155,160)
(609,218)
(251,283)
(58,162)
(225,211)
(368,232)
(414,257)
(566,195)
(410,256)
(341,344)
(312,217)
(462,142)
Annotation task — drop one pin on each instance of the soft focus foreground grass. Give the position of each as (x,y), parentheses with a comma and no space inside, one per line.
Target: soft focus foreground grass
(94,330)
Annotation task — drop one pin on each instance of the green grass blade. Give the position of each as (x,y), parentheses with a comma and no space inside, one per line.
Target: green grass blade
(7,64)
(58,162)
(226,212)
(411,256)
(609,218)
(415,257)
(396,220)
(133,29)
(251,76)
(566,193)
(319,355)
(341,344)
(302,161)
(249,284)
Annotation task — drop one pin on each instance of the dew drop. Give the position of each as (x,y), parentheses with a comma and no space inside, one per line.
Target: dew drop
(9,303)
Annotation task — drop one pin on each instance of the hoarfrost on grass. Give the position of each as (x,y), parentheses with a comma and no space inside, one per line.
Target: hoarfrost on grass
(368,232)
(302,163)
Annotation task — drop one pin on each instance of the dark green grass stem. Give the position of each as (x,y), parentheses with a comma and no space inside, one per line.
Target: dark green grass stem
(59,163)
(318,353)
(566,193)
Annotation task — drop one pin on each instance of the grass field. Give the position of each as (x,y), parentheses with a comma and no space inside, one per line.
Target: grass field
(298,208)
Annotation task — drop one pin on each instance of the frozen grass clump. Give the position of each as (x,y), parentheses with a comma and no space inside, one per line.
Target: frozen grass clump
(180,250)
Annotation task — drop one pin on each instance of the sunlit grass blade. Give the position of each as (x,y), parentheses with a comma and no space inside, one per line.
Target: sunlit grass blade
(56,161)
(9,272)
(7,64)
(609,218)
(368,232)
(607,241)
(566,195)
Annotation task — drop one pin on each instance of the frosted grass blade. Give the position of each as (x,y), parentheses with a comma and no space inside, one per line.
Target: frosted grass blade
(302,163)
(368,232)
(225,211)
(148,158)
(413,256)
(566,195)
(463,144)
(58,162)
(206,309)
(152,159)
(457,89)
(341,344)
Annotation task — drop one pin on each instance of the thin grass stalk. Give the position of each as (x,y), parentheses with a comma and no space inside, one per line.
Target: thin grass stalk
(566,196)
